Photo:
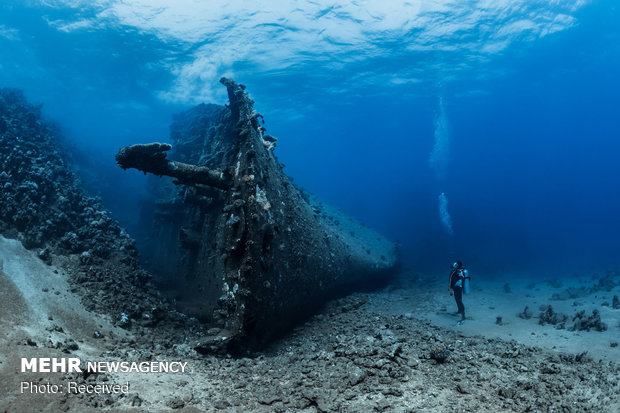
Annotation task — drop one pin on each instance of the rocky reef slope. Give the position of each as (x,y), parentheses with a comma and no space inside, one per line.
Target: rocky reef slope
(44,207)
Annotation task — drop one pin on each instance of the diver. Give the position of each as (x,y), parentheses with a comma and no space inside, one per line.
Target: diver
(458,280)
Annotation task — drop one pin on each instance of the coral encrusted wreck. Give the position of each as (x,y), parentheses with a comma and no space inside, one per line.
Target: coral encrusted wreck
(254,251)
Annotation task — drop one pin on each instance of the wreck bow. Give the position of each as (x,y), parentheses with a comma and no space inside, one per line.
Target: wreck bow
(255,253)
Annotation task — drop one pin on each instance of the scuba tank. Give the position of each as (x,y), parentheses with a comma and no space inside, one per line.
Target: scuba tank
(466,282)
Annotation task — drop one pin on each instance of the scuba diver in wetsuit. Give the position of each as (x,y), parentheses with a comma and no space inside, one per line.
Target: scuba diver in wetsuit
(458,275)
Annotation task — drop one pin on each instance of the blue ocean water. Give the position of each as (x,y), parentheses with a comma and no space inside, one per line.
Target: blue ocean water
(487,131)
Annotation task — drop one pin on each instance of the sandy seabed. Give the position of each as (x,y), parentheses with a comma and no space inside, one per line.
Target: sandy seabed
(397,350)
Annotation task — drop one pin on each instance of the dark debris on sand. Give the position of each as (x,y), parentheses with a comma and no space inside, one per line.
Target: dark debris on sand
(581,321)
(549,316)
(584,322)
(606,283)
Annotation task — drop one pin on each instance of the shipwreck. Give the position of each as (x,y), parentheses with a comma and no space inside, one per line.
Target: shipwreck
(250,253)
